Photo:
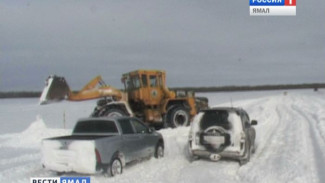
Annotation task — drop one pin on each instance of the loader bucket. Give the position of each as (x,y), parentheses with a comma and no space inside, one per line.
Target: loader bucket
(56,89)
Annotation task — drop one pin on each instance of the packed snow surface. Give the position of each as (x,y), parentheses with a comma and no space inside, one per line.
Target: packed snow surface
(290,141)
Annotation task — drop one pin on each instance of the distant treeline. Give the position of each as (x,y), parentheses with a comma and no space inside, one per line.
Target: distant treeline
(314,86)
(23,94)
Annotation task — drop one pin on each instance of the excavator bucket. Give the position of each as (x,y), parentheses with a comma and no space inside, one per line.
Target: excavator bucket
(56,89)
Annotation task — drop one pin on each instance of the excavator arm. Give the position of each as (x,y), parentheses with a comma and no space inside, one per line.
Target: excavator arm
(57,89)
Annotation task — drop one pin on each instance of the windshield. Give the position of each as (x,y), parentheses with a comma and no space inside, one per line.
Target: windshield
(95,126)
(132,82)
(215,118)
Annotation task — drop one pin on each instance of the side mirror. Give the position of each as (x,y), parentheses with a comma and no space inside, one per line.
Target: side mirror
(254,122)
(151,130)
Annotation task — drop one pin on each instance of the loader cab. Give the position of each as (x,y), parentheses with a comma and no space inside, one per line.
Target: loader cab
(144,87)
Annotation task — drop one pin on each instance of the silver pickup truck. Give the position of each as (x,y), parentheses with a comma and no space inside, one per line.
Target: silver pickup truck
(101,145)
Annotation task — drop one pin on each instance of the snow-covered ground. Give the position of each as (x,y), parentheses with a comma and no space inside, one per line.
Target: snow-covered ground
(290,141)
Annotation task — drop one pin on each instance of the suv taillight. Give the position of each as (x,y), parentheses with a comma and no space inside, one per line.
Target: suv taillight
(242,140)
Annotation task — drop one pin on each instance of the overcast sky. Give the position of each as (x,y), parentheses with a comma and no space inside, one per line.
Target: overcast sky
(198,42)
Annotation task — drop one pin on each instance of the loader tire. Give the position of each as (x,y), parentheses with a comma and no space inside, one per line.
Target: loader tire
(114,112)
(178,116)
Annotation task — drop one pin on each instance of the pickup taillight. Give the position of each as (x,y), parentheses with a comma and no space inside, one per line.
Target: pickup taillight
(98,158)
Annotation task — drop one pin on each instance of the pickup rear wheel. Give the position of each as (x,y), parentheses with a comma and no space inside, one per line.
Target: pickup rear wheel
(116,167)
(159,152)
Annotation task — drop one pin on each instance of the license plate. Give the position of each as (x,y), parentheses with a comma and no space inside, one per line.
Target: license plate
(215,157)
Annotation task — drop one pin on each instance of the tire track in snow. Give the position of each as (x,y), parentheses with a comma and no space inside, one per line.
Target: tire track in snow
(316,141)
(278,157)
(301,148)
(317,113)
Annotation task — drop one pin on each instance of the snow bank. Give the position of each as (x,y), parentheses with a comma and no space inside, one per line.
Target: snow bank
(175,140)
(73,157)
(33,135)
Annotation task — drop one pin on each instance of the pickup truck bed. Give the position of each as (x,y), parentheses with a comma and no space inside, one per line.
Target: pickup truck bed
(70,153)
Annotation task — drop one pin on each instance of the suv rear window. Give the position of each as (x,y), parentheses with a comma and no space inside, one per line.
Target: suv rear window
(215,118)
(93,126)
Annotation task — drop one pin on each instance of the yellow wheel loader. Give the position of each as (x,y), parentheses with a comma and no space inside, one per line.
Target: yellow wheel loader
(145,96)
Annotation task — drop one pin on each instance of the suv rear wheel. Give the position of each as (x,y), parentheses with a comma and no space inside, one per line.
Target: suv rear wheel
(247,155)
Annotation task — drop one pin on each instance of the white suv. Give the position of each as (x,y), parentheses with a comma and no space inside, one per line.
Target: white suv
(222,133)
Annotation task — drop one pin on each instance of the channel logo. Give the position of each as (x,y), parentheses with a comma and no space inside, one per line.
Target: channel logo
(60,180)
(272,7)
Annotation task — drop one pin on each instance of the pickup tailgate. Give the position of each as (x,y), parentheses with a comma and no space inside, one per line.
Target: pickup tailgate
(70,153)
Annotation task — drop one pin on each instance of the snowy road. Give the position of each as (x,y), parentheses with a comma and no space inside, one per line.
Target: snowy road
(290,146)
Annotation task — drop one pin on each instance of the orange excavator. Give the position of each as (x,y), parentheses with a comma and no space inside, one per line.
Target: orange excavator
(145,96)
